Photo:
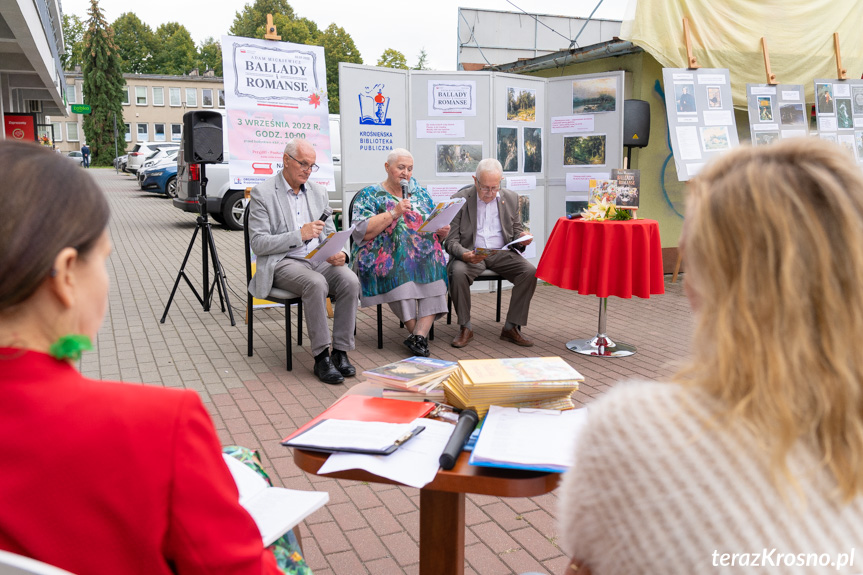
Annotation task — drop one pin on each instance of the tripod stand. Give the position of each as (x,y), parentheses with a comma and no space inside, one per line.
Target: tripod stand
(207,243)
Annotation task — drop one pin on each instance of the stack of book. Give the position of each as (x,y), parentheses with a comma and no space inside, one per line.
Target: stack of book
(540,382)
(415,378)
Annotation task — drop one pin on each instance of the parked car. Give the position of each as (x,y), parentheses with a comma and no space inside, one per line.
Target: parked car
(77,157)
(163,156)
(161,178)
(225,202)
(120,162)
(142,151)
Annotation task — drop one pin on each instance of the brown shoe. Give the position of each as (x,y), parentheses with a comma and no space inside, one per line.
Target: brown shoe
(463,337)
(514,335)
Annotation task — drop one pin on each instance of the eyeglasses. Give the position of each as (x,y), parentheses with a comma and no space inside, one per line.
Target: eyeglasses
(489,189)
(305,167)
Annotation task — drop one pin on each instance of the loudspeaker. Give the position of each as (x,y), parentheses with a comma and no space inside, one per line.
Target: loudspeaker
(202,131)
(636,123)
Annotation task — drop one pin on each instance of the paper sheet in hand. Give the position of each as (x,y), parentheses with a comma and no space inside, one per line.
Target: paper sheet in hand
(331,245)
(441,215)
(522,438)
(415,463)
(274,509)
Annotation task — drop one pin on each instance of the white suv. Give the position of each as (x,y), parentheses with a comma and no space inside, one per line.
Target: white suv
(144,150)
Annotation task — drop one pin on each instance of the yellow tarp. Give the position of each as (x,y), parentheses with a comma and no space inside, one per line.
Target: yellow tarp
(727,34)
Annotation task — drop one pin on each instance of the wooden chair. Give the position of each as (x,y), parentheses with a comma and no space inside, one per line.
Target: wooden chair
(276,295)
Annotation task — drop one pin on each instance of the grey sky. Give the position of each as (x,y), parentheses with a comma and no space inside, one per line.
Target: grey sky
(407,27)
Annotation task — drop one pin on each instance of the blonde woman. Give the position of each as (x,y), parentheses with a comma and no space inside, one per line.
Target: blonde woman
(751,460)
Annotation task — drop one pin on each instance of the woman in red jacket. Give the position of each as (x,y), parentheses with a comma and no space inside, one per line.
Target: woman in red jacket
(98,477)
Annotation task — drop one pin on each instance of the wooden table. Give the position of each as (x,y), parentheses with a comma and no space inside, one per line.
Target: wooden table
(442,500)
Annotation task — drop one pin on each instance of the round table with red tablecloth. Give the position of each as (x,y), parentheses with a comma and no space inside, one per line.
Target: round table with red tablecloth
(608,258)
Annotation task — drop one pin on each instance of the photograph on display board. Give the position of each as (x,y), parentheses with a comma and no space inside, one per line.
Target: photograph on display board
(858,144)
(524,211)
(765,109)
(847,142)
(828,137)
(520,105)
(714,97)
(825,98)
(766,138)
(584,150)
(684,97)
(532,150)
(507,148)
(857,100)
(575,205)
(594,95)
(843,114)
(792,115)
(715,138)
(458,158)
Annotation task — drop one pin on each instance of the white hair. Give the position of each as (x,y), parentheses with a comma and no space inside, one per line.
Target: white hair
(291,148)
(397,153)
(488,165)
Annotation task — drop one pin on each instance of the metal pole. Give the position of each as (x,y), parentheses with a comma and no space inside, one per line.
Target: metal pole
(116,167)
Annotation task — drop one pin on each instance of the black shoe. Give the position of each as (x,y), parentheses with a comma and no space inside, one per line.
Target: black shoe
(340,360)
(327,372)
(418,345)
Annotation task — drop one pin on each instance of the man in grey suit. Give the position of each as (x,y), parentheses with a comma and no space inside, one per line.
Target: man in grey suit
(489,219)
(284,226)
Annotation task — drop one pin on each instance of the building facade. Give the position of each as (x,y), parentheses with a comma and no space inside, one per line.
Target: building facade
(153,108)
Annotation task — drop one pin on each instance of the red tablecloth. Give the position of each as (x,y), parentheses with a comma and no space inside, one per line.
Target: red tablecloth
(604,258)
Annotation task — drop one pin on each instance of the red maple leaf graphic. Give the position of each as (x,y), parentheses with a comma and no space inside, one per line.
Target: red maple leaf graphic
(315,100)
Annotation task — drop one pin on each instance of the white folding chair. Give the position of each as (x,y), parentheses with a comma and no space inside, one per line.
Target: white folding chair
(12,564)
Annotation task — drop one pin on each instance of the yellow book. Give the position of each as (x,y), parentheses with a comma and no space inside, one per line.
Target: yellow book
(518,370)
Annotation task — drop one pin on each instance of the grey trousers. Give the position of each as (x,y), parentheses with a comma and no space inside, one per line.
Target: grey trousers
(314,282)
(512,266)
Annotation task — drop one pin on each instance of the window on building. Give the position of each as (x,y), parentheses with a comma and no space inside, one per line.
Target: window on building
(221,98)
(72,131)
(143,132)
(141,95)
(191,97)
(158,132)
(176,132)
(158,96)
(127,136)
(58,131)
(174,95)
(207,97)
(71,94)
(125,95)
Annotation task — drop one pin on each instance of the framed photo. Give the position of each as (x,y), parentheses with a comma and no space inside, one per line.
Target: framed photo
(714,98)
(594,95)
(532,150)
(457,158)
(684,97)
(765,108)
(520,105)
(584,150)
(824,98)
(507,148)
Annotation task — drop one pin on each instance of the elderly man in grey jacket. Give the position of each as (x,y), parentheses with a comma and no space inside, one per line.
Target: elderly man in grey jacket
(284,226)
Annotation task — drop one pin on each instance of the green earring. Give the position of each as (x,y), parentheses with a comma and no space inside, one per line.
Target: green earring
(69,347)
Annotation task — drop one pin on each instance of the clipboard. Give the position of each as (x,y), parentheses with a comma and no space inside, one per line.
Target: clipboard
(311,440)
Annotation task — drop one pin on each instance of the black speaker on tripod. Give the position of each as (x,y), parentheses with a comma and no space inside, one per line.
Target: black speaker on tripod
(203,132)
(202,144)
(636,126)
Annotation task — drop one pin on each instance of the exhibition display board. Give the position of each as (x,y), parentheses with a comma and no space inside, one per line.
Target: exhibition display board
(839,110)
(776,112)
(700,116)
(550,135)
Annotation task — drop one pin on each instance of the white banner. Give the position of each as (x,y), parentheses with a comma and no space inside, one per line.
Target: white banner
(274,91)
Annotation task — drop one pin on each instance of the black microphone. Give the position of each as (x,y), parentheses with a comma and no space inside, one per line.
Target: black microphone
(328,211)
(467,420)
(406,190)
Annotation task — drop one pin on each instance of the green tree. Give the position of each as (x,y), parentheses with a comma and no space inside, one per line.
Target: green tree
(422,61)
(73,40)
(136,43)
(338,47)
(175,52)
(393,59)
(251,21)
(210,56)
(103,87)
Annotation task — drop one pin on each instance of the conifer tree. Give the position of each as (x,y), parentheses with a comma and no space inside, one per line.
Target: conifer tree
(103,87)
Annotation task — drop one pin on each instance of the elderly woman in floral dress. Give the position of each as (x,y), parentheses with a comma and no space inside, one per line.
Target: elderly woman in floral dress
(396,264)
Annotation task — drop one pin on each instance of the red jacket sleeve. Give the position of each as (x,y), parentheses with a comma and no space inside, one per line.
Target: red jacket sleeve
(208,530)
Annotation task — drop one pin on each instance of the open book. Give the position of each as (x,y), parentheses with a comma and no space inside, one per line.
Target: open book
(489,251)
(276,510)
(441,215)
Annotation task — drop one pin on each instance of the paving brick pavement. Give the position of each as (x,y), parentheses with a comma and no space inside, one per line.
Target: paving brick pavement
(254,401)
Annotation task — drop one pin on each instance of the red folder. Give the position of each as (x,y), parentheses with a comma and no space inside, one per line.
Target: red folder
(366,408)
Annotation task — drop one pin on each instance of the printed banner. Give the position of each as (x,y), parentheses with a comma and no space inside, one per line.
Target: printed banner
(274,91)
